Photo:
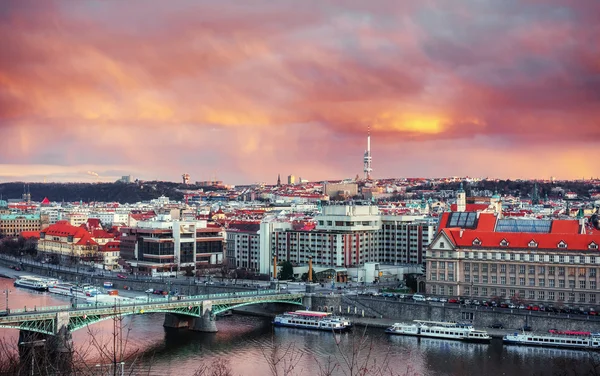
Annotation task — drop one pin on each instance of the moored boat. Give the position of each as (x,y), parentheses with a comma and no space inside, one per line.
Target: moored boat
(572,340)
(69,289)
(310,320)
(32,283)
(442,330)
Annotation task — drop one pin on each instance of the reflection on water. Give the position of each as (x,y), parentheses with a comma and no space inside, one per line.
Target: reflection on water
(247,342)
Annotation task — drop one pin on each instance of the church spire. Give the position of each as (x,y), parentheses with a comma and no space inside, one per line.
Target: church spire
(279,180)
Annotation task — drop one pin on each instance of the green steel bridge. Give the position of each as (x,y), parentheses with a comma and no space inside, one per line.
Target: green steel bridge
(196,312)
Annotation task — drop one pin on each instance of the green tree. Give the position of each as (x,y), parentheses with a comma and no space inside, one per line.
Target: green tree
(287,270)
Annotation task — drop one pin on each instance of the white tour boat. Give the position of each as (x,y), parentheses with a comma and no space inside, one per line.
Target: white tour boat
(442,330)
(573,340)
(30,282)
(310,320)
(70,289)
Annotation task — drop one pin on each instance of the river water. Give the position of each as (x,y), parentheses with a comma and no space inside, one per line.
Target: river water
(249,344)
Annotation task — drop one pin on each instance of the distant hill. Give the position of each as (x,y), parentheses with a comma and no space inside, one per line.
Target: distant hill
(104,192)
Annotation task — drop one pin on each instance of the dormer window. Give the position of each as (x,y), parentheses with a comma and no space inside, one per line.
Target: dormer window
(476,242)
(562,244)
(593,245)
(442,245)
(504,243)
(533,244)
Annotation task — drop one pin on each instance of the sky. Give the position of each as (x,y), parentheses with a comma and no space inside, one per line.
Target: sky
(242,91)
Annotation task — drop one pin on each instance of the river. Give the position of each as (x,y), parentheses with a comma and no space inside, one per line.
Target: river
(247,343)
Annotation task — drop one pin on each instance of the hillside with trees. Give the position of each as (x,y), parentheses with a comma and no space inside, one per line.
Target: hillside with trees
(87,192)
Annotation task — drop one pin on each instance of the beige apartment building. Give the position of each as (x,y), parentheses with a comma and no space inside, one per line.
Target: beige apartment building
(66,241)
(481,256)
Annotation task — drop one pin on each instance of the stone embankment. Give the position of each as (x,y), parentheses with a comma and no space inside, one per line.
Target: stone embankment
(390,310)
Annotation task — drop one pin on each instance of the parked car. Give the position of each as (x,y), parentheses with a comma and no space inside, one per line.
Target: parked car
(497,325)
(526,328)
(122,276)
(149,291)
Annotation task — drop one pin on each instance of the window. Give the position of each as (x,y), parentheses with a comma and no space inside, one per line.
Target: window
(550,295)
(581,297)
(467,278)
(531,281)
(475,267)
(562,244)
(521,269)
(561,283)
(494,280)
(541,295)
(513,269)
(581,284)
(571,284)
(503,280)
(494,268)
(476,242)
(511,292)
(467,291)
(561,270)
(551,270)
(541,282)
(442,245)
(532,244)
(531,269)
(592,272)
(592,298)
(531,294)
(484,268)
(593,245)
(503,268)
(571,259)
(551,283)
(561,296)
(504,243)
(503,293)
(592,285)
(484,291)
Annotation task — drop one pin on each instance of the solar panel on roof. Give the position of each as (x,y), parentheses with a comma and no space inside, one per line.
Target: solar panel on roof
(463,220)
(523,225)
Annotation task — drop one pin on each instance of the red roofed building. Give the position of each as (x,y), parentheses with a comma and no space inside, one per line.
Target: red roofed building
(68,242)
(482,256)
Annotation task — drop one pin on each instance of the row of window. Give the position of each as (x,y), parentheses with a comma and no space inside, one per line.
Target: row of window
(539,295)
(561,259)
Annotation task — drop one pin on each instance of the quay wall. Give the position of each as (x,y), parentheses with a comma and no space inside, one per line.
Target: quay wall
(186,286)
(480,316)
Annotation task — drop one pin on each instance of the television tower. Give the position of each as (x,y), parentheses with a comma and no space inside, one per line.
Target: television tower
(367,158)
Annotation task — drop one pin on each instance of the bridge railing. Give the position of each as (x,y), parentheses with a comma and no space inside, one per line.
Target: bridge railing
(139,302)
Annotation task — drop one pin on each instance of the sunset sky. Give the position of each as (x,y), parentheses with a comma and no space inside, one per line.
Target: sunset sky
(245,90)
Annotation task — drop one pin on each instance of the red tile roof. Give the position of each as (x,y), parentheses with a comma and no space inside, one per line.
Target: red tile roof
(465,239)
(30,234)
(564,226)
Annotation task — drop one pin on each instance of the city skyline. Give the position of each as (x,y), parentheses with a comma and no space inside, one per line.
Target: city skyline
(92,91)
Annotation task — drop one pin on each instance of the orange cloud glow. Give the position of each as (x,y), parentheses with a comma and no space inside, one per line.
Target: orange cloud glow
(155,89)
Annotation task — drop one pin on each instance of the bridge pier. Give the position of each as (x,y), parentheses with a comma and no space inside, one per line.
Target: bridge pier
(173,320)
(61,350)
(43,354)
(206,323)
